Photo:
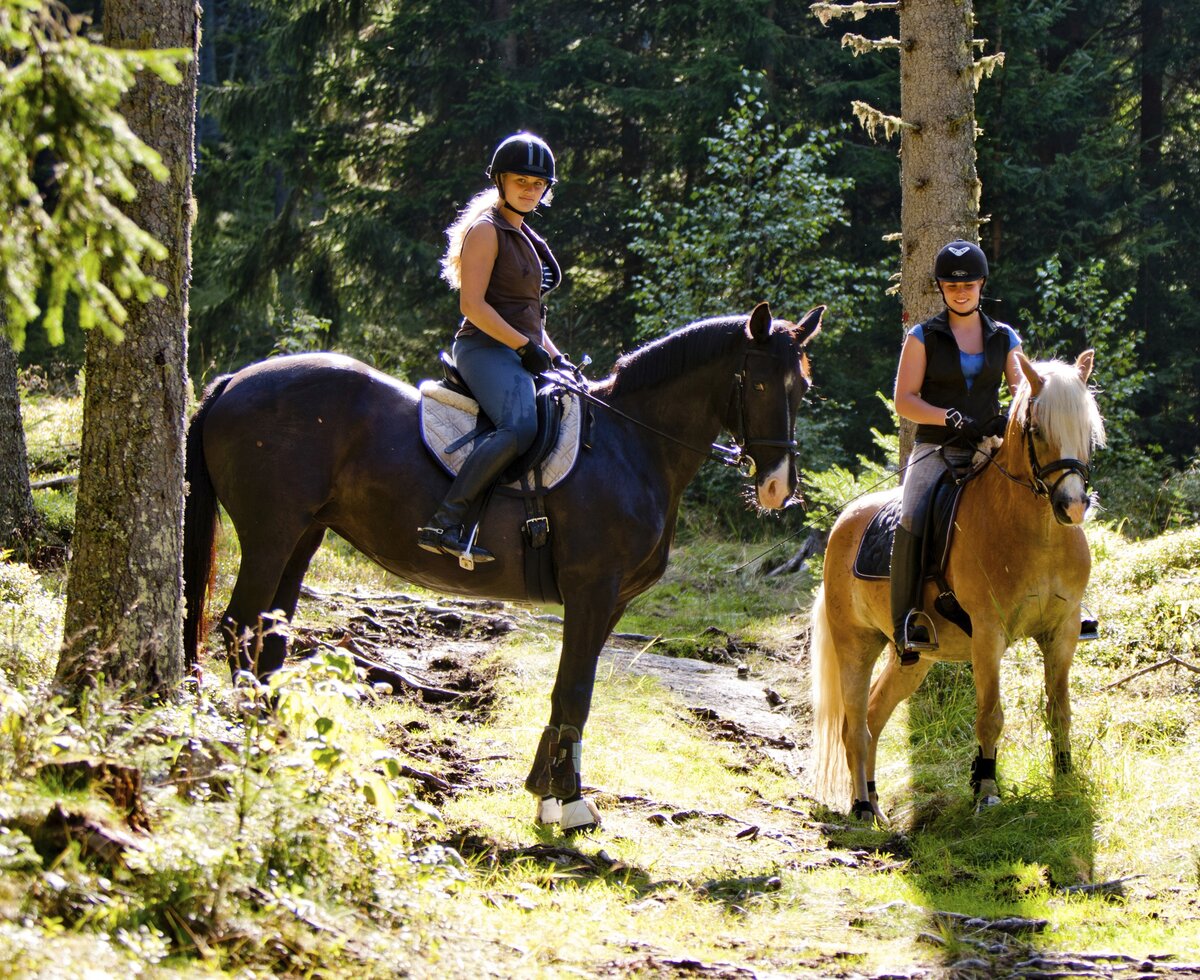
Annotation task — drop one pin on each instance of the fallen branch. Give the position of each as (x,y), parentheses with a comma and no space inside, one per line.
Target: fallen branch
(1114,887)
(428,778)
(54,481)
(1172,659)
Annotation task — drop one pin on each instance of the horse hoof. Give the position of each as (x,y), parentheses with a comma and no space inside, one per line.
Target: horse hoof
(579,816)
(549,811)
(986,803)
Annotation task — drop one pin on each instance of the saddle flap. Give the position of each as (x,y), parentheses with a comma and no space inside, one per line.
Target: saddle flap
(874,557)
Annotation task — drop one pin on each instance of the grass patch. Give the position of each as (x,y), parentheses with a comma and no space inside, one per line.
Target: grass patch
(288,832)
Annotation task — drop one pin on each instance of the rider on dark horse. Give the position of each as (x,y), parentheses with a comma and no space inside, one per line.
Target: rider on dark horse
(503,270)
(948,382)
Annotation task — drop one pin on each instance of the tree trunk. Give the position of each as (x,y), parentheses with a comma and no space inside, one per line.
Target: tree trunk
(124,614)
(18,519)
(939,185)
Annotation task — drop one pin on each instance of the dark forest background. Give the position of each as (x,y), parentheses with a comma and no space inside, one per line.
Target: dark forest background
(708,159)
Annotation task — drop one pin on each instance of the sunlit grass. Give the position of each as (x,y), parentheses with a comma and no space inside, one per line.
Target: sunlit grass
(295,868)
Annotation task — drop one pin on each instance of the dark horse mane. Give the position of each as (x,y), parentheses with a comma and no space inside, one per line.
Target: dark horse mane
(668,357)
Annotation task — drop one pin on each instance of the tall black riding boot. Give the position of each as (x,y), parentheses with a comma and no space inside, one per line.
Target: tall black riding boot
(444,534)
(911,628)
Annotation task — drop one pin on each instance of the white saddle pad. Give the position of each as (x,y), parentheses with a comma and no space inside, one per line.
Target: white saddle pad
(448,419)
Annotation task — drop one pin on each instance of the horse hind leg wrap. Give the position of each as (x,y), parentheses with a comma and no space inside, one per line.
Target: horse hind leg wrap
(549,811)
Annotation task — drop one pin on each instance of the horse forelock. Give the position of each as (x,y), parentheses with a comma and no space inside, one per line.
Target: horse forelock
(1065,409)
(692,346)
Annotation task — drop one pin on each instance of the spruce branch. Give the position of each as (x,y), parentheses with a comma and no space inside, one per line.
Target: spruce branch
(863,45)
(825,12)
(872,120)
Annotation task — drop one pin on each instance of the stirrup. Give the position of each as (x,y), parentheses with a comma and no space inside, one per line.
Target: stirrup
(916,642)
(1089,626)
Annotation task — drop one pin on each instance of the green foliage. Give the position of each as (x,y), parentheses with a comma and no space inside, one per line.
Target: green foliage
(750,229)
(66,156)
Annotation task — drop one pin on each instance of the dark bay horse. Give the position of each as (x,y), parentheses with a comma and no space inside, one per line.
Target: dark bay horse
(294,446)
(1018,564)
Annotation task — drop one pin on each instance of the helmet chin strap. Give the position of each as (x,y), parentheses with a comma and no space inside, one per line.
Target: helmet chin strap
(504,202)
(975,309)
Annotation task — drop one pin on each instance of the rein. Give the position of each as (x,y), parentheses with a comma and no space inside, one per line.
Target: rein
(733,455)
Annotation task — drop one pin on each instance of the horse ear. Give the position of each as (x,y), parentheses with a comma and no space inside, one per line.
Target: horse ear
(1034,379)
(809,325)
(1084,364)
(759,324)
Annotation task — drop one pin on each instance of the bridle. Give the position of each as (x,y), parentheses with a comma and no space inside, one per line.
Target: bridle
(1064,467)
(732,455)
(736,454)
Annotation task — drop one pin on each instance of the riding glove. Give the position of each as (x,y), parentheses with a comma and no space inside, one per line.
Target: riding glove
(534,358)
(996,425)
(966,426)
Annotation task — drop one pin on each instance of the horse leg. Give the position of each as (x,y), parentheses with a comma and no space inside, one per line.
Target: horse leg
(892,686)
(287,595)
(1058,651)
(989,715)
(556,772)
(266,558)
(856,735)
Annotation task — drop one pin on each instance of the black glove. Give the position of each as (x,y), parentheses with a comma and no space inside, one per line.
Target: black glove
(996,425)
(534,358)
(964,425)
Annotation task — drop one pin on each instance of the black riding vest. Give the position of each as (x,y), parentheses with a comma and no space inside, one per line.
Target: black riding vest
(944,384)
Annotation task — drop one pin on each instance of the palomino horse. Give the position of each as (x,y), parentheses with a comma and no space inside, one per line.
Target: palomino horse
(1018,564)
(294,446)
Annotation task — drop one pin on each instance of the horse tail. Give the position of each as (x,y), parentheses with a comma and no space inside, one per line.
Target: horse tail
(830,770)
(199,528)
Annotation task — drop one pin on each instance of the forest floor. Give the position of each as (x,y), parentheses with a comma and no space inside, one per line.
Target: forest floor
(750,699)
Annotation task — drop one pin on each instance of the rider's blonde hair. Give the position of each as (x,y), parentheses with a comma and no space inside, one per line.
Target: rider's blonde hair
(476,208)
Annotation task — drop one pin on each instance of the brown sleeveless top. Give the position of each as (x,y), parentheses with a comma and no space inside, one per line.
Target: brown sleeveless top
(525,271)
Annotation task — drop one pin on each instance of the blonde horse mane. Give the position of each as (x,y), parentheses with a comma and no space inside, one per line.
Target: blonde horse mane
(1065,408)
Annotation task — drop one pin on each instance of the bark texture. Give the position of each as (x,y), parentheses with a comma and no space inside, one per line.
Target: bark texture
(124,613)
(939,184)
(18,519)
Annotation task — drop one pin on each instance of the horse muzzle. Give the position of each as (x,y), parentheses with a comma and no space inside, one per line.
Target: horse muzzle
(1070,508)
(776,486)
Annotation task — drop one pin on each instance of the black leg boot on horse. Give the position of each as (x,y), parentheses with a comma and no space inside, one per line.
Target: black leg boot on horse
(446,533)
(913,630)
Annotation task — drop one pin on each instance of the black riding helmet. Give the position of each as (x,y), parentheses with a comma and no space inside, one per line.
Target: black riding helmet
(521,153)
(960,261)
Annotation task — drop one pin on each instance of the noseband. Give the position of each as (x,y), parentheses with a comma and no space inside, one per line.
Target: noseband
(1063,467)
